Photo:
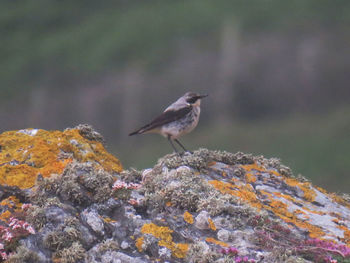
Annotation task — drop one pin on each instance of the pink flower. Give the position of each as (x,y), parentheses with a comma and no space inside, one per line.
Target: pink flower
(238,260)
(118,184)
(233,250)
(26,206)
(7,236)
(31,230)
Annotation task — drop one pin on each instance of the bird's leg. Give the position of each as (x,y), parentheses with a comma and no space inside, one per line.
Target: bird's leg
(172,145)
(183,147)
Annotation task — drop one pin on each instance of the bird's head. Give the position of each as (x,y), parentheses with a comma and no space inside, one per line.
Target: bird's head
(193,99)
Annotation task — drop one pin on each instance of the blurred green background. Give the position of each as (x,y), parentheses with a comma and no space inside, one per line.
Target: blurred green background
(277,72)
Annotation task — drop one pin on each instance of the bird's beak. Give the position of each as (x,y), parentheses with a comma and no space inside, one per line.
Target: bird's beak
(202,96)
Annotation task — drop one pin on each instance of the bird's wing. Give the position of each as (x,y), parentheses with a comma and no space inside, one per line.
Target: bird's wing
(165,118)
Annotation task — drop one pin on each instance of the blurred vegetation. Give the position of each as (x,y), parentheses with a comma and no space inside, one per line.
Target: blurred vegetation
(61,37)
(115,64)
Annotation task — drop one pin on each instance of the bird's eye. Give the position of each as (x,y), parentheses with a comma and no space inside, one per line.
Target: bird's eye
(192,100)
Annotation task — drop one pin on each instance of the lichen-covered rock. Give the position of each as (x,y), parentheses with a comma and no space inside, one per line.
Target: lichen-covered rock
(27,153)
(35,168)
(210,206)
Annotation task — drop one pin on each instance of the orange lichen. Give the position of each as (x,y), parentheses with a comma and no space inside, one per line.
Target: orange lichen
(323,191)
(163,233)
(287,197)
(168,204)
(309,194)
(337,215)
(244,192)
(11,201)
(211,163)
(216,242)
(5,215)
(280,208)
(180,250)
(267,194)
(346,234)
(274,173)
(339,200)
(250,178)
(292,209)
(347,237)
(26,155)
(139,243)
(247,194)
(298,211)
(109,220)
(314,211)
(211,224)
(10,205)
(224,188)
(254,166)
(335,220)
(188,217)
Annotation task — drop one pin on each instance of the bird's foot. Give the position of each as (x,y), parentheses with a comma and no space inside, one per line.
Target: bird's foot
(184,153)
(180,154)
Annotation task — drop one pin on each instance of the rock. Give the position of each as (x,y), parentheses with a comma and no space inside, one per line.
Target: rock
(124,245)
(224,235)
(66,199)
(202,220)
(92,218)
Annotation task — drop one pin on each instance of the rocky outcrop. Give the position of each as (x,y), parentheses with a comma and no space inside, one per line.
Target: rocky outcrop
(66,199)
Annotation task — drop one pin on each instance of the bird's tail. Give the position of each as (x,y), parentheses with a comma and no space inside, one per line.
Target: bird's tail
(143,129)
(134,133)
(139,131)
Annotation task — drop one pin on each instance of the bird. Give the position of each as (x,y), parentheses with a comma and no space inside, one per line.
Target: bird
(180,118)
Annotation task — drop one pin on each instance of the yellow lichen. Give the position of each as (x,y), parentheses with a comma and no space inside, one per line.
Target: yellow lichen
(163,233)
(211,224)
(216,242)
(188,217)
(24,156)
(180,250)
(139,243)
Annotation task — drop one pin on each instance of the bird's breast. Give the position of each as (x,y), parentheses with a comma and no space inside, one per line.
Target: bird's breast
(182,126)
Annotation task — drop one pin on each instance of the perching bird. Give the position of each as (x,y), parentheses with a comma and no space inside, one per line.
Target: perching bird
(179,118)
